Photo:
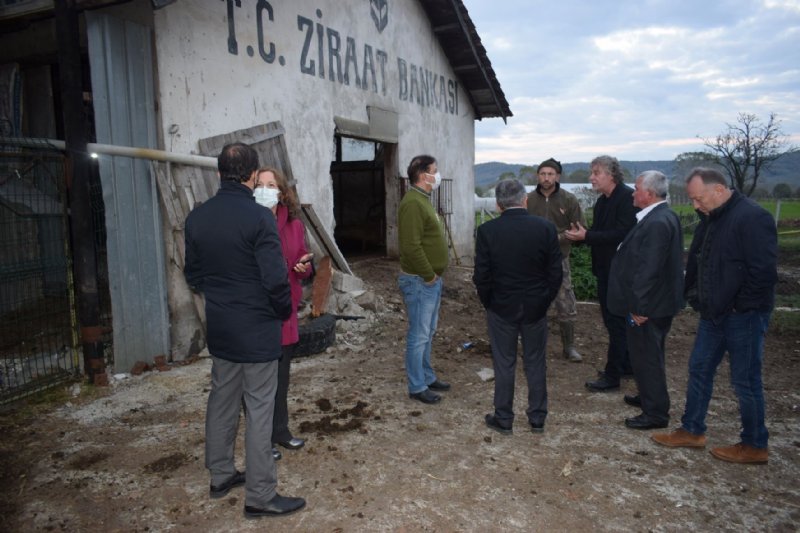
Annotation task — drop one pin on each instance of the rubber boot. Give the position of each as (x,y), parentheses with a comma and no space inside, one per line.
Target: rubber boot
(568,342)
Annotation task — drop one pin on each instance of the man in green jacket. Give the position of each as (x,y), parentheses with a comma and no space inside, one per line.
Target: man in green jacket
(560,207)
(423,258)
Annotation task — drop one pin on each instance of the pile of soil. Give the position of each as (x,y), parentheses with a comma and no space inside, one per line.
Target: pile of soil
(132,459)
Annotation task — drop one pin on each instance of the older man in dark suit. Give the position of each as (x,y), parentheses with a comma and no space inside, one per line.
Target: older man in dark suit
(645,285)
(517,275)
(614,216)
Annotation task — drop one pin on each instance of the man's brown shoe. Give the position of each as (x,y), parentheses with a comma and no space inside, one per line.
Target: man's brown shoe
(742,453)
(680,438)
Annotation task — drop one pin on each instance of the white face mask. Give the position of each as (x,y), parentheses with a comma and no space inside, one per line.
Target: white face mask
(437,180)
(266,196)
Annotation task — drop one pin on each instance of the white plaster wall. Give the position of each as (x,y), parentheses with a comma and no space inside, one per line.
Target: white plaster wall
(205,90)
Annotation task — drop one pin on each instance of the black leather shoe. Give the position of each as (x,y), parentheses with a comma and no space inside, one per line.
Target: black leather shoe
(603,384)
(426,396)
(293,443)
(221,490)
(537,427)
(634,401)
(277,506)
(276,454)
(439,385)
(491,421)
(625,374)
(644,422)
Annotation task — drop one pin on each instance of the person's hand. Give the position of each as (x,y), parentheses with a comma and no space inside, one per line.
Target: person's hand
(576,232)
(431,282)
(639,320)
(303,264)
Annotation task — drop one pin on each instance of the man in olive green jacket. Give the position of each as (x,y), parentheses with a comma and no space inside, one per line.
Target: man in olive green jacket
(423,258)
(560,207)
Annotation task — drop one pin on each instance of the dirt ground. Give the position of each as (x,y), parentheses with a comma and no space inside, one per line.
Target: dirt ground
(132,458)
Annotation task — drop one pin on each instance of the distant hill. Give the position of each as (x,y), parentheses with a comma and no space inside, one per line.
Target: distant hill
(785,169)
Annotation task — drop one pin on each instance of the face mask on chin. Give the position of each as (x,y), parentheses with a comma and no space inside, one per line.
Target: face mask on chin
(266,196)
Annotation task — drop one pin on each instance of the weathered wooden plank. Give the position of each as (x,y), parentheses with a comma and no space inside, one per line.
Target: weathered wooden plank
(212,146)
(313,224)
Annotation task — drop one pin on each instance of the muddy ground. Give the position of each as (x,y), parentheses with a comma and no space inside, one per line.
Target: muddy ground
(131,458)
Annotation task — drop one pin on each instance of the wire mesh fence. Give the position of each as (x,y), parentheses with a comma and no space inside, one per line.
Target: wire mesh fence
(38,330)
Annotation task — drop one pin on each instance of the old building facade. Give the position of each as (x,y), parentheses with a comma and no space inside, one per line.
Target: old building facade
(353,88)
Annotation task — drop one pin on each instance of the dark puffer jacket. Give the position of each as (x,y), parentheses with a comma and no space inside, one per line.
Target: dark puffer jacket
(732,265)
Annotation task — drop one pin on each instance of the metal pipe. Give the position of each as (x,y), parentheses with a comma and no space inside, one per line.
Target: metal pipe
(127,151)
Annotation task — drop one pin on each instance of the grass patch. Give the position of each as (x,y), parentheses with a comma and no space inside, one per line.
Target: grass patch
(787,300)
(46,400)
(789,242)
(790,209)
(784,323)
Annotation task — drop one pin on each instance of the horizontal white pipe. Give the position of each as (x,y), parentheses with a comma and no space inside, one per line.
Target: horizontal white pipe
(127,151)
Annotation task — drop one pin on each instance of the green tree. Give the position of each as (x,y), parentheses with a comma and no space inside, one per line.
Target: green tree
(782,190)
(627,176)
(577,176)
(479,191)
(677,192)
(506,175)
(748,148)
(761,193)
(527,175)
(686,161)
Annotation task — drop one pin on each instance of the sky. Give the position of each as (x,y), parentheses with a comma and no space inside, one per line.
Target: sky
(639,80)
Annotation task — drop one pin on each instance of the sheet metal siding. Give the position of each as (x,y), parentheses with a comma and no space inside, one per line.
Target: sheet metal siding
(122,80)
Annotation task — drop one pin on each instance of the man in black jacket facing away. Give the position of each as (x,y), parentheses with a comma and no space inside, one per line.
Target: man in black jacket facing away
(233,256)
(614,216)
(517,275)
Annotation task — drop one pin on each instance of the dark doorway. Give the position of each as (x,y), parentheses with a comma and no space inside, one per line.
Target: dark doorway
(359,196)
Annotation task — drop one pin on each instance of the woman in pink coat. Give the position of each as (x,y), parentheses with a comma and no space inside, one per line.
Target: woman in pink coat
(273,191)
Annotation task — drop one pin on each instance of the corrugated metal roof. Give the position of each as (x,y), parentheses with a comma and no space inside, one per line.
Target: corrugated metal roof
(453,27)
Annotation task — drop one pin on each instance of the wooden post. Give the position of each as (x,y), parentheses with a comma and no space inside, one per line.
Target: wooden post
(76,128)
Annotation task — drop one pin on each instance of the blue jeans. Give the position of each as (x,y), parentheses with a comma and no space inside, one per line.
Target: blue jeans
(742,336)
(422,312)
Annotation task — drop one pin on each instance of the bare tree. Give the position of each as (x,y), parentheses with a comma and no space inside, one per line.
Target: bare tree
(748,148)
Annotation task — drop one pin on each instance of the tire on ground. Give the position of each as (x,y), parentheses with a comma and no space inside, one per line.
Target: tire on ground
(315,335)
